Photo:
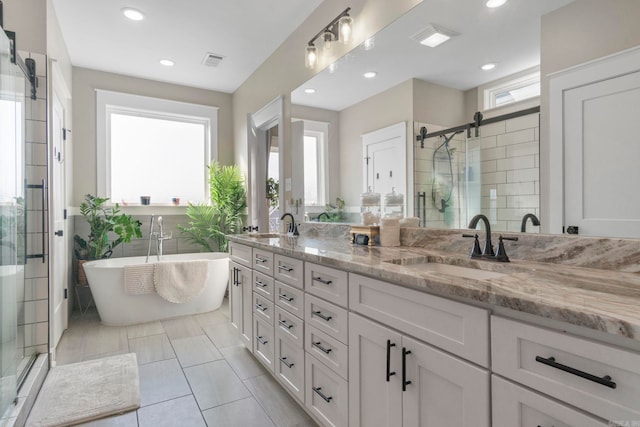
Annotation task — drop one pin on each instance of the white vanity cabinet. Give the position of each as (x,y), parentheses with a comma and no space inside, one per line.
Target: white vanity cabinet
(396,380)
(240,294)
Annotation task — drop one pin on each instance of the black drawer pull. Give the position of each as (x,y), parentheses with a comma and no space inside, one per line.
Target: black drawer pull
(321,348)
(260,260)
(285,268)
(261,307)
(320,315)
(318,391)
(285,324)
(321,280)
(262,340)
(260,284)
(551,361)
(285,297)
(405,383)
(389,373)
(236,282)
(287,364)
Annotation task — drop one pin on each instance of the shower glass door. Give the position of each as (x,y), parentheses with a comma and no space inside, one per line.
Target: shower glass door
(12,243)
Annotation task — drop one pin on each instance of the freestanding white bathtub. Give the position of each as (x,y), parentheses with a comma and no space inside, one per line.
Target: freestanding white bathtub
(116,308)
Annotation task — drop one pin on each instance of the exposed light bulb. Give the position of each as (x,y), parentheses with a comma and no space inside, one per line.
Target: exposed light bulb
(345,25)
(311,56)
(328,39)
(133,14)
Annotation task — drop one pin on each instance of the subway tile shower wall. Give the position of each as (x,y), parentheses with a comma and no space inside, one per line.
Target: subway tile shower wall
(33,302)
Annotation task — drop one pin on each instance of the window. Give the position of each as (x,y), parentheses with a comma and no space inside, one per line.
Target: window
(153,147)
(315,163)
(512,89)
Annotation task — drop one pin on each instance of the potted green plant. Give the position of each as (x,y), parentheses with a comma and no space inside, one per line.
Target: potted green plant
(210,222)
(104,224)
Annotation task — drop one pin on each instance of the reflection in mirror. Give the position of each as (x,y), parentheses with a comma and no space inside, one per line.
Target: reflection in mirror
(273,179)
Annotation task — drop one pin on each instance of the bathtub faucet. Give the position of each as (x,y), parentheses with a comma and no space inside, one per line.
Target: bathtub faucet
(159,237)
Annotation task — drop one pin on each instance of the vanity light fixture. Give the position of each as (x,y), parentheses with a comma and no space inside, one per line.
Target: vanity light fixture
(133,14)
(370,74)
(340,29)
(433,35)
(489,66)
(167,62)
(495,3)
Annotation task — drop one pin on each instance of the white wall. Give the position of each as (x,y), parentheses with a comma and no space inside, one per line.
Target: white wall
(28,18)
(86,81)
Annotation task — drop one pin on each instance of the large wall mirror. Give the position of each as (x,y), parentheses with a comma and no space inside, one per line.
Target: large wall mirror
(451,177)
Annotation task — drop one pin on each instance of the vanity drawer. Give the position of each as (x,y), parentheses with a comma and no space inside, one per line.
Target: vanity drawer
(240,254)
(264,342)
(263,285)
(289,298)
(458,328)
(288,270)
(263,261)
(568,368)
(328,350)
(263,308)
(327,283)
(289,364)
(290,325)
(326,394)
(515,406)
(327,317)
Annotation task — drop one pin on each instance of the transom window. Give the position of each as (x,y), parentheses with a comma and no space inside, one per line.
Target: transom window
(512,90)
(153,147)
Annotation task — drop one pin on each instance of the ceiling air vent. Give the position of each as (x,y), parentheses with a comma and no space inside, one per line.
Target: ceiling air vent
(212,59)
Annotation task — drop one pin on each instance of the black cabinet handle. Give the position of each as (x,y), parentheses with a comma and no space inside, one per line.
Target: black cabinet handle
(389,345)
(285,268)
(261,307)
(321,280)
(318,390)
(285,297)
(321,348)
(260,284)
(285,324)
(262,340)
(320,315)
(405,383)
(287,364)
(235,276)
(551,361)
(260,260)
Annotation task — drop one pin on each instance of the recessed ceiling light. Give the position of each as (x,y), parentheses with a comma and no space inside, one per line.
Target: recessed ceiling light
(489,66)
(495,3)
(370,74)
(167,62)
(310,90)
(133,14)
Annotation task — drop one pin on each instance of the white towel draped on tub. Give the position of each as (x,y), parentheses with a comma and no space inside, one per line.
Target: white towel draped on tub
(180,281)
(138,279)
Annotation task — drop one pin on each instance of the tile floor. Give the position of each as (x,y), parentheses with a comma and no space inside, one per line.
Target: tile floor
(193,372)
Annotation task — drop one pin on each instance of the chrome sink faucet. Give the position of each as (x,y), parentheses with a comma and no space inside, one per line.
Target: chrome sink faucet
(293,228)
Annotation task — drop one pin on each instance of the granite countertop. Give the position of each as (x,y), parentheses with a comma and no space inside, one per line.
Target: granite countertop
(598,299)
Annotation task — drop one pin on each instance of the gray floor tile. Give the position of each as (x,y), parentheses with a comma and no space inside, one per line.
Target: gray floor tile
(282,408)
(144,330)
(211,318)
(214,384)
(195,350)
(104,339)
(177,412)
(223,335)
(160,381)
(245,412)
(181,327)
(152,348)
(242,361)
(126,420)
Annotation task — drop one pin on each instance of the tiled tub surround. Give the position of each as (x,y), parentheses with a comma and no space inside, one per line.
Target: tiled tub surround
(587,282)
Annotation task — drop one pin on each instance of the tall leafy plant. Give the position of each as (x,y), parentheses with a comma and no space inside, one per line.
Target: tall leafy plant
(102,221)
(209,223)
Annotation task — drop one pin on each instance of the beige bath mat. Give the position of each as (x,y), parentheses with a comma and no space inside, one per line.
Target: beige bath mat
(81,392)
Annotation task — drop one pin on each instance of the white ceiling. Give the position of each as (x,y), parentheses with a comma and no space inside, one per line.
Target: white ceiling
(508,36)
(245,32)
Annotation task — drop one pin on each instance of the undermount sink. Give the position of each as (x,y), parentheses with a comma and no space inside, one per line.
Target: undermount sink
(425,264)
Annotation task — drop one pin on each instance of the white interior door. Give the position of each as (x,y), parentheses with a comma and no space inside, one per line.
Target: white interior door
(385,160)
(601,171)
(57,230)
